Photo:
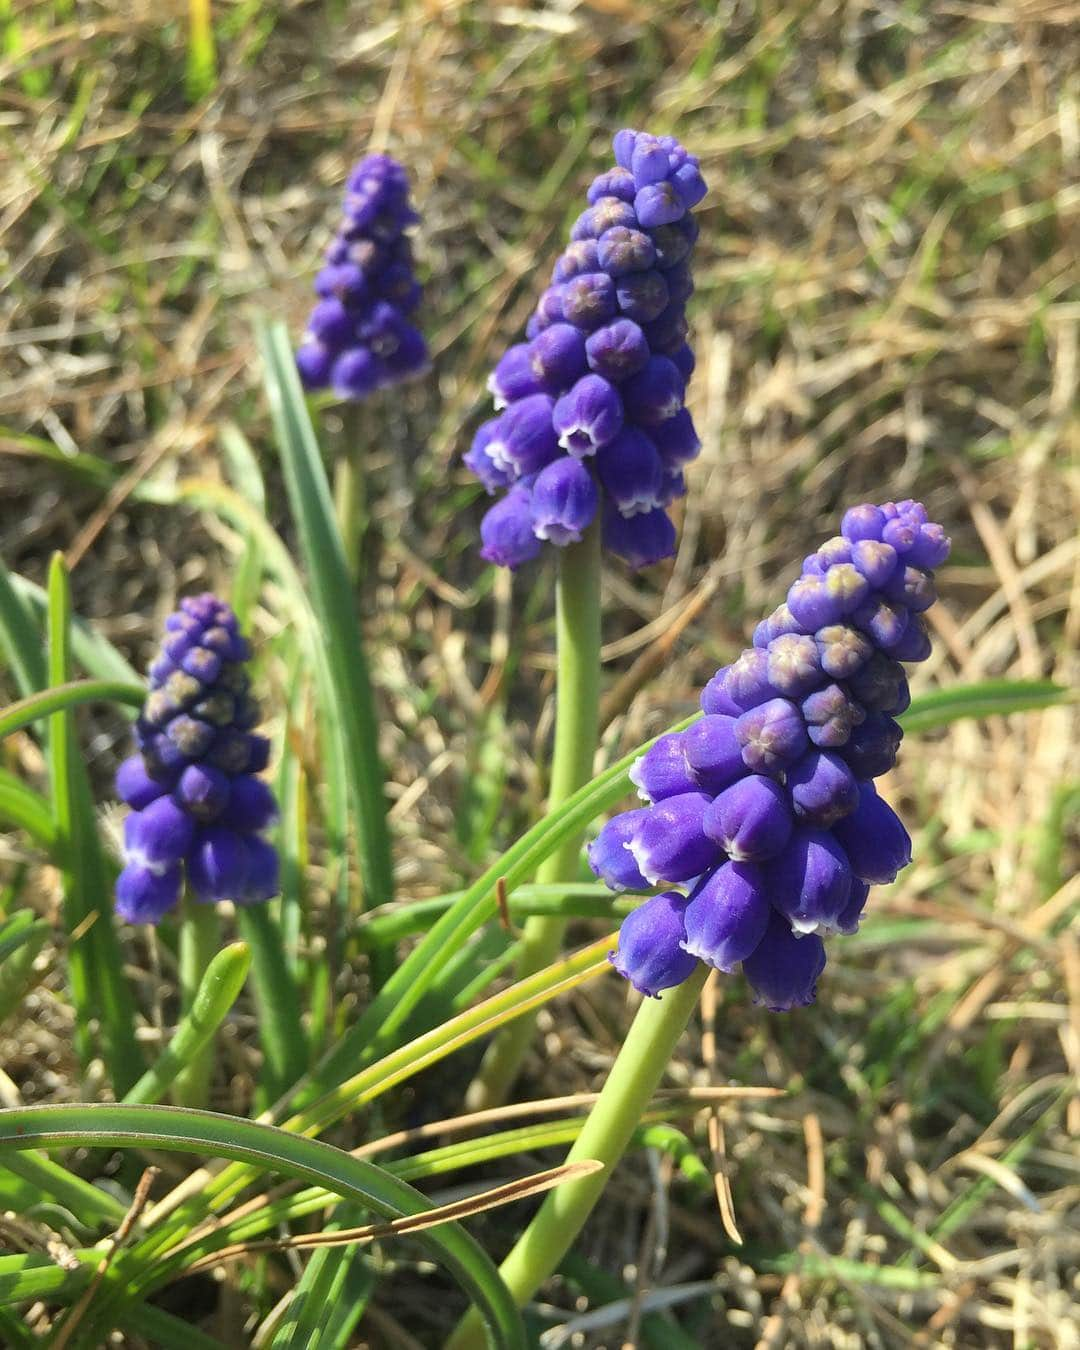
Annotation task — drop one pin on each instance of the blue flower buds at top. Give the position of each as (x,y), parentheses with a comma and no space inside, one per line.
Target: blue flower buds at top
(197,807)
(650,953)
(360,336)
(765,808)
(606,348)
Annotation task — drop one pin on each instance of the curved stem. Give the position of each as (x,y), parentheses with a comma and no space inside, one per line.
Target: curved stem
(605,1135)
(350,489)
(200,938)
(577,723)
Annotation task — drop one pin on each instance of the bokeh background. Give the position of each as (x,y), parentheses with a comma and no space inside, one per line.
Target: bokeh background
(888,305)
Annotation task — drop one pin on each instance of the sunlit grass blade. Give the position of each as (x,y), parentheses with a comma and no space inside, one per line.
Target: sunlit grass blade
(281,1031)
(374,1032)
(91,651)
(100,993)
(27,810)
(245,473)
(93,1207)
(200,74)
(219,989)
(269,1149)
(65,696)
(20,641)
(329,1299)
(987,698)
(353,712)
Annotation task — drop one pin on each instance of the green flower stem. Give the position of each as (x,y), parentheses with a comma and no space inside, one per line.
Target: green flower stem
(200,938)
(577,729)
(218,991)
(350,489)
(605,1135)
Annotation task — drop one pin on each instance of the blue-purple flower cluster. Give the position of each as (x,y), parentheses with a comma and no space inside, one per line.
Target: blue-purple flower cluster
(360,336)
(593,416)
(765,810)
(198,807)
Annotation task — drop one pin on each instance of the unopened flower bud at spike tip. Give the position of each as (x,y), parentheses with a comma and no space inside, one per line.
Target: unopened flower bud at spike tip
(360,335)
(765,808)
(608,343)
(193,778)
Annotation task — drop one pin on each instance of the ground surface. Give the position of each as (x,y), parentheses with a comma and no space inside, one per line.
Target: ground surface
(883,310)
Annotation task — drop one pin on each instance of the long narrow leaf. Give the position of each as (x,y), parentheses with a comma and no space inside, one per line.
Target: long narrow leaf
(26,809)
(987,698)
(65,696)
(92,652)
(270,1149)
(334,603)
(99,990)
(20,641)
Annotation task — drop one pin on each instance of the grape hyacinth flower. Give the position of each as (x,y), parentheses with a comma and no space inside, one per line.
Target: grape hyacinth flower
(590,407)
(764,811)
(198,807)
(360,336)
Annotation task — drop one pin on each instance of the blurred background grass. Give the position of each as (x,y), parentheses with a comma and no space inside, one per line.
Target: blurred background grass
(887,305)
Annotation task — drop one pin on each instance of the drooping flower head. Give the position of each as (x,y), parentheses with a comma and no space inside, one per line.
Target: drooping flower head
(591,416)
(360,335)
(198,807)
(764,812)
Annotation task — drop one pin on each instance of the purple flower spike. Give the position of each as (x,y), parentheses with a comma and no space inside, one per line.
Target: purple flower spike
(631,472)
(750,820)
(874,839)
(823,789)
(608,342)
(610,857)
(143,896)
(589,416)
(728,915)
(360,336)
(772,736)
(218,865)
(783,785)
(662,771)
(524,440)
(194,773)
(617,351)
(669,842)
(507,530)
(650,953)
(564,501)
(713,752)
(514,377)
(134,784)
(640,540)
(783,970)
(810,880)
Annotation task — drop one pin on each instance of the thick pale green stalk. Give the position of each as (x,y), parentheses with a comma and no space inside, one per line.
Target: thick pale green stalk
(577,728)
(605,1135)
(200,938)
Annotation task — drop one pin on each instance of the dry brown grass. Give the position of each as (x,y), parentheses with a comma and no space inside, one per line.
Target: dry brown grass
(887,306)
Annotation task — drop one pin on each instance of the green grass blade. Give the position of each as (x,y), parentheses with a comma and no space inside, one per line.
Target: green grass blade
(27,1276)
(281,1031)
(985,699)
(65,696)
(331,1295)
(27,810)
(205,1133)
(94,1208)
(165,1332)
(374,1033)
(353,711)
(218,990)
(20,641)
(200,74)
(99,990)
(92,652)
(14,1333)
